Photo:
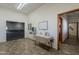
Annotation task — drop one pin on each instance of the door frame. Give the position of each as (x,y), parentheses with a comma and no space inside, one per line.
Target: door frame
(59,15)
(59,40)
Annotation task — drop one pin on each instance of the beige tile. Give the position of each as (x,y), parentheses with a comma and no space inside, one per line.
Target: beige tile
(28,47)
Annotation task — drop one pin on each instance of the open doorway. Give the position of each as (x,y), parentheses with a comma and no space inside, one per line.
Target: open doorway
(68,29)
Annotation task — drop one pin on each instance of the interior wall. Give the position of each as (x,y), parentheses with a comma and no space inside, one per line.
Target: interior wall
(64,27)
(45,14)
(8,15)
(48,12)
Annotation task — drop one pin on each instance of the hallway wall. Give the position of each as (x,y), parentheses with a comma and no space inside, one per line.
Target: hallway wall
(48,12)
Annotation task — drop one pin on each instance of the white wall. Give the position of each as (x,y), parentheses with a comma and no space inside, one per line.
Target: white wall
(64,27)
(48,12)
(9,15)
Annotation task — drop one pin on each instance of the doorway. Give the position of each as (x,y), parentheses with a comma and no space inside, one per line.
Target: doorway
(71,29)
(14,30)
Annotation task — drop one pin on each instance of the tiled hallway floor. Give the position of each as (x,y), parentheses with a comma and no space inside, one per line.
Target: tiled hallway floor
(71,45)
(28,47)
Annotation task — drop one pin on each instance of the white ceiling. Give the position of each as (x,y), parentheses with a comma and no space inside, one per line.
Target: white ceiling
(28,8)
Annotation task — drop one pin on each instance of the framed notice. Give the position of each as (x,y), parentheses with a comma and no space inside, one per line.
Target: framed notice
(43,25)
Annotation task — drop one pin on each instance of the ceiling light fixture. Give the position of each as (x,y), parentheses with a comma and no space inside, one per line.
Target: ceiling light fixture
(20,6)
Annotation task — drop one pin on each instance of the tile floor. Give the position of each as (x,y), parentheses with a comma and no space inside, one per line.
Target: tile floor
(28,47)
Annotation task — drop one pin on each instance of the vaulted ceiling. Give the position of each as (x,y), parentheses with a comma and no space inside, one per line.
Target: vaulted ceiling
(28,8)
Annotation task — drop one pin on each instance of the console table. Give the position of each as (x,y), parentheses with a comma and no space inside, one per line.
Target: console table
(44,41)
